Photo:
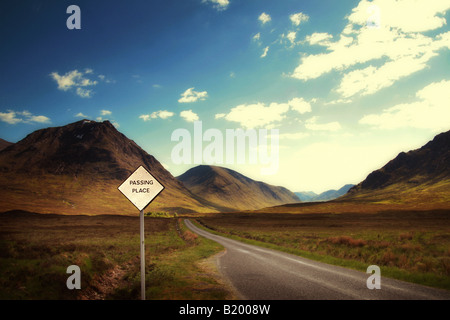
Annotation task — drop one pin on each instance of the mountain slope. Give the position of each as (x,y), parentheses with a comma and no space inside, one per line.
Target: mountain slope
(233,190)
(77,168)
(4,144)
(418,175)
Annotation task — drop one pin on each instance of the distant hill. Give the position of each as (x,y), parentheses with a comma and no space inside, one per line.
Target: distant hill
(77,168)
(306,196)
(4,144)
(332,194)
(421,175)
(233,190)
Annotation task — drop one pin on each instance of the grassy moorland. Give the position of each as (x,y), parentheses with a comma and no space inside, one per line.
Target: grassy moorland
(35,251)
(64,194)
(408,245)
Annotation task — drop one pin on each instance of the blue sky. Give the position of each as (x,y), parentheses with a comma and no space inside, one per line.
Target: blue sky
(348,84)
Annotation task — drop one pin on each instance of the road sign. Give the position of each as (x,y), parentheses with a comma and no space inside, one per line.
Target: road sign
(141,188)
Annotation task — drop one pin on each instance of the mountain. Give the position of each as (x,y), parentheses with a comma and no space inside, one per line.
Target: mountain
(230,189)
(78,167)
(4,144)
(332,194)
(417,175)
(306,196)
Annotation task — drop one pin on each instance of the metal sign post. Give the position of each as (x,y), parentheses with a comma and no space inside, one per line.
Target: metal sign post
(141,188)
(141,218)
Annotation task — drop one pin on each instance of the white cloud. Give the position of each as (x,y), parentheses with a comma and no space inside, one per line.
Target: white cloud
(406,15)
(430,111)
(81,115)
(258,114)
(315,65)
(291,37)
(298,18)
(219,4)
(87,82)
(396,43)
(107,113)
(300,105)
(312,124)
(189,115)
(75,79)
(39,119)
(145,117)
(192,96)
(356,82)
(265,51)
(14,117)
(319,38)
(257,37)
(68,80)
(24,113)
(162,114)
(261,115)
(9,117)
(84,93)
(264,18)
(338,101)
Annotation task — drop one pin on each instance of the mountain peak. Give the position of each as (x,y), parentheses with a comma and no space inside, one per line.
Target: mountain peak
(84,146)
(231,189)
(81,158)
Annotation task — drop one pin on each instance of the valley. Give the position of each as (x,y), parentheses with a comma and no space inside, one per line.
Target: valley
(60,206)
(205,151)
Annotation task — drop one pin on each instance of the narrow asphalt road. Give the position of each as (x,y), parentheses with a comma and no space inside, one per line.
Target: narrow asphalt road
(263,274)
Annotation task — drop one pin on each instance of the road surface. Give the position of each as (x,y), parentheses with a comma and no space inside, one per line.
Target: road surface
(263,274)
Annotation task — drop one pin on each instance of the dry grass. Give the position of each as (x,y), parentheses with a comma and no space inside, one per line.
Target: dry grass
(36,249)
(62,194)
(349,241)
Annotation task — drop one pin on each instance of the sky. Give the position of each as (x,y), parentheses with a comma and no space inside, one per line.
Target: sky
(344,85)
